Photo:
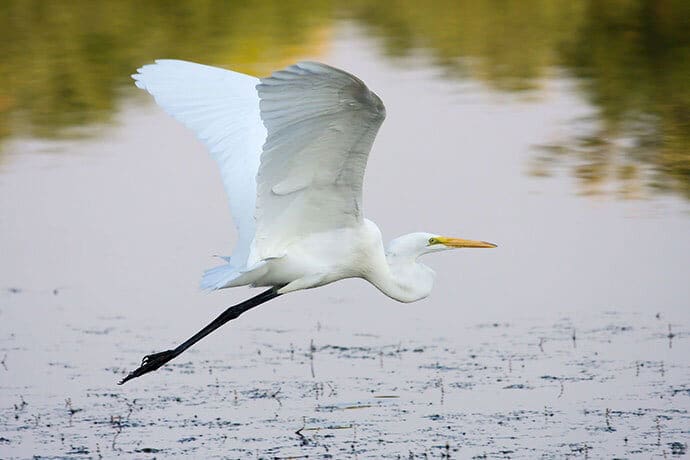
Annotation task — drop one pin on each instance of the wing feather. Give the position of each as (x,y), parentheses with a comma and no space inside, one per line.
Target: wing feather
(321,123)
(292,148)
(222,108)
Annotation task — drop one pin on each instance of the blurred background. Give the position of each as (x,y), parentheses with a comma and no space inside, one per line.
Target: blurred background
(558,129)
(64,68)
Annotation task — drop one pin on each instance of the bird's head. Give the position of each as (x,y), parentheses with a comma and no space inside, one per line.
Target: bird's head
(420,243)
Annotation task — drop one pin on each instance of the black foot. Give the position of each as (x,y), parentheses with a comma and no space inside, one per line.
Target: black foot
(149,364)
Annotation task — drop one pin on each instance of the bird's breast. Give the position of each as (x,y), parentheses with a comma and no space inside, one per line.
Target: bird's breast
(327,257)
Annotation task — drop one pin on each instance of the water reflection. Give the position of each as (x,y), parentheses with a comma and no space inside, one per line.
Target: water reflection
(63,68)
(632,62)
(509,45)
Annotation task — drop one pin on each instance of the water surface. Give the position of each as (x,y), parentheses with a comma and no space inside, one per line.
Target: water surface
(558,131)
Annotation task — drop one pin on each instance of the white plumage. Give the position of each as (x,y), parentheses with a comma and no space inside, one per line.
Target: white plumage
(222,108)
(292,149)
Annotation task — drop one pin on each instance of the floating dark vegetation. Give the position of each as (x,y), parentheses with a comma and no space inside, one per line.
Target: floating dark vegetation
(678,448)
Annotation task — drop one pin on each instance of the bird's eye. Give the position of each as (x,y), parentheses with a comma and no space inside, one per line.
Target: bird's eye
(432,241)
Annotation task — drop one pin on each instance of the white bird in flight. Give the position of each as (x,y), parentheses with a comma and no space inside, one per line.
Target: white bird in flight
(292,149)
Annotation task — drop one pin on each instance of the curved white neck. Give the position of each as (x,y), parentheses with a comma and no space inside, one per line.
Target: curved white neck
(404,279)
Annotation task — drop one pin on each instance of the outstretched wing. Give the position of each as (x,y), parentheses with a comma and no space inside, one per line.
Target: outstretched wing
(321,124)
(222,108)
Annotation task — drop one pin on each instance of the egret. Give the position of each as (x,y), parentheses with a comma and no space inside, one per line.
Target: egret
(292,149)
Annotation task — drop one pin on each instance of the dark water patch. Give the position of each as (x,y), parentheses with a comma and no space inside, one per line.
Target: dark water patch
(678,448)
(62,365)
(680,391)
(79,450)
(518,386)
(462,385)
(494,325)
(439,367)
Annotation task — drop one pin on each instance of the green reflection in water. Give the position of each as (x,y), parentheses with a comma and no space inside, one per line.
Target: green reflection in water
(63,63)
(508,44)
(632,59)
(62,67)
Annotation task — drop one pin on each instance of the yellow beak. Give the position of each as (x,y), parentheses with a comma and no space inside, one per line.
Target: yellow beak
(460,243)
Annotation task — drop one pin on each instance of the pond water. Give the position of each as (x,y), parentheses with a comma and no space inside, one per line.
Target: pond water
(558,130)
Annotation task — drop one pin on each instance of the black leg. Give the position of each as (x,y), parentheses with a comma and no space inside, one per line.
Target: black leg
(154,361)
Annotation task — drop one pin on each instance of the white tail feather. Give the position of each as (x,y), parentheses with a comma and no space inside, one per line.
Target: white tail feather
(218,277)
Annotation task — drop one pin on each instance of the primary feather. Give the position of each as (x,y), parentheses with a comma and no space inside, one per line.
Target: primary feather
(222,108)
